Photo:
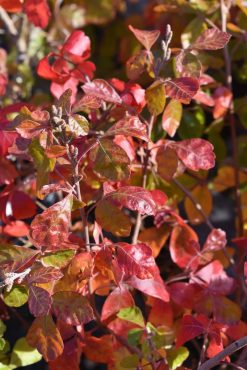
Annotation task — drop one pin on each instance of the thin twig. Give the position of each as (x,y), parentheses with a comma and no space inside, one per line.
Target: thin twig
(144,181)
(8,22)
(228,351)
(193,200)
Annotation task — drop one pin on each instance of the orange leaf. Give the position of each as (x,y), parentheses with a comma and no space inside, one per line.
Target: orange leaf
(44,335)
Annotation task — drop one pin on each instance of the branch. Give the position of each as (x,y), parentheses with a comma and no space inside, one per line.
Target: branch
(228,71)
(228,351)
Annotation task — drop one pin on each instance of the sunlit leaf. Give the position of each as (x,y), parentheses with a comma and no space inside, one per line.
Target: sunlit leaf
(17,296)
(156,97)
(146,38)
(50,228)
(132,314)
(172,116)
(211,39)
(23,355)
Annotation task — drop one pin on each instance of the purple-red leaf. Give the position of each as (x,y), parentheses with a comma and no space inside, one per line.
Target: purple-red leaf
(129,126)
(146,38)
(101,89)
(211,39)
(39,301)
(43,275)
(134,198)
(182,89)
(196,154)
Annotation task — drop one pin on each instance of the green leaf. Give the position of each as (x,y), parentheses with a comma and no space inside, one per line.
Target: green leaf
(4,367)
(2,328)
(130,362)
(112,219)
(134,336)
(58,259)
(156,97)
(132,314)
(219,146)
(23,354)
(42,162)
(17,296)
(192,124)
(192,31)
(110,161)
(2,343)
(176,357)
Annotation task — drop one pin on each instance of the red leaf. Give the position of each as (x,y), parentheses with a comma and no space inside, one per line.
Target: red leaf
(8,172)
(196,154)
(16,228)
(183,294)
(129,126)
(12,6)
(39,301)
(159,197)
(72,308)
(17,199)
(146,38)
(134,198)
(183,245)
(216,240)
(204,98)
(44,335)
(41,275)
(38,12)
(7,139)
(182,89)
(77,44)
(190,328)
(154,288)
(211,39)
(223,99)
(119,298)
(136,260)
(51,228)
(46,71)
(102,90)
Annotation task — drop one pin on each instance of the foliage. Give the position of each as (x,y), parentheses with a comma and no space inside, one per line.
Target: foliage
(104,179)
